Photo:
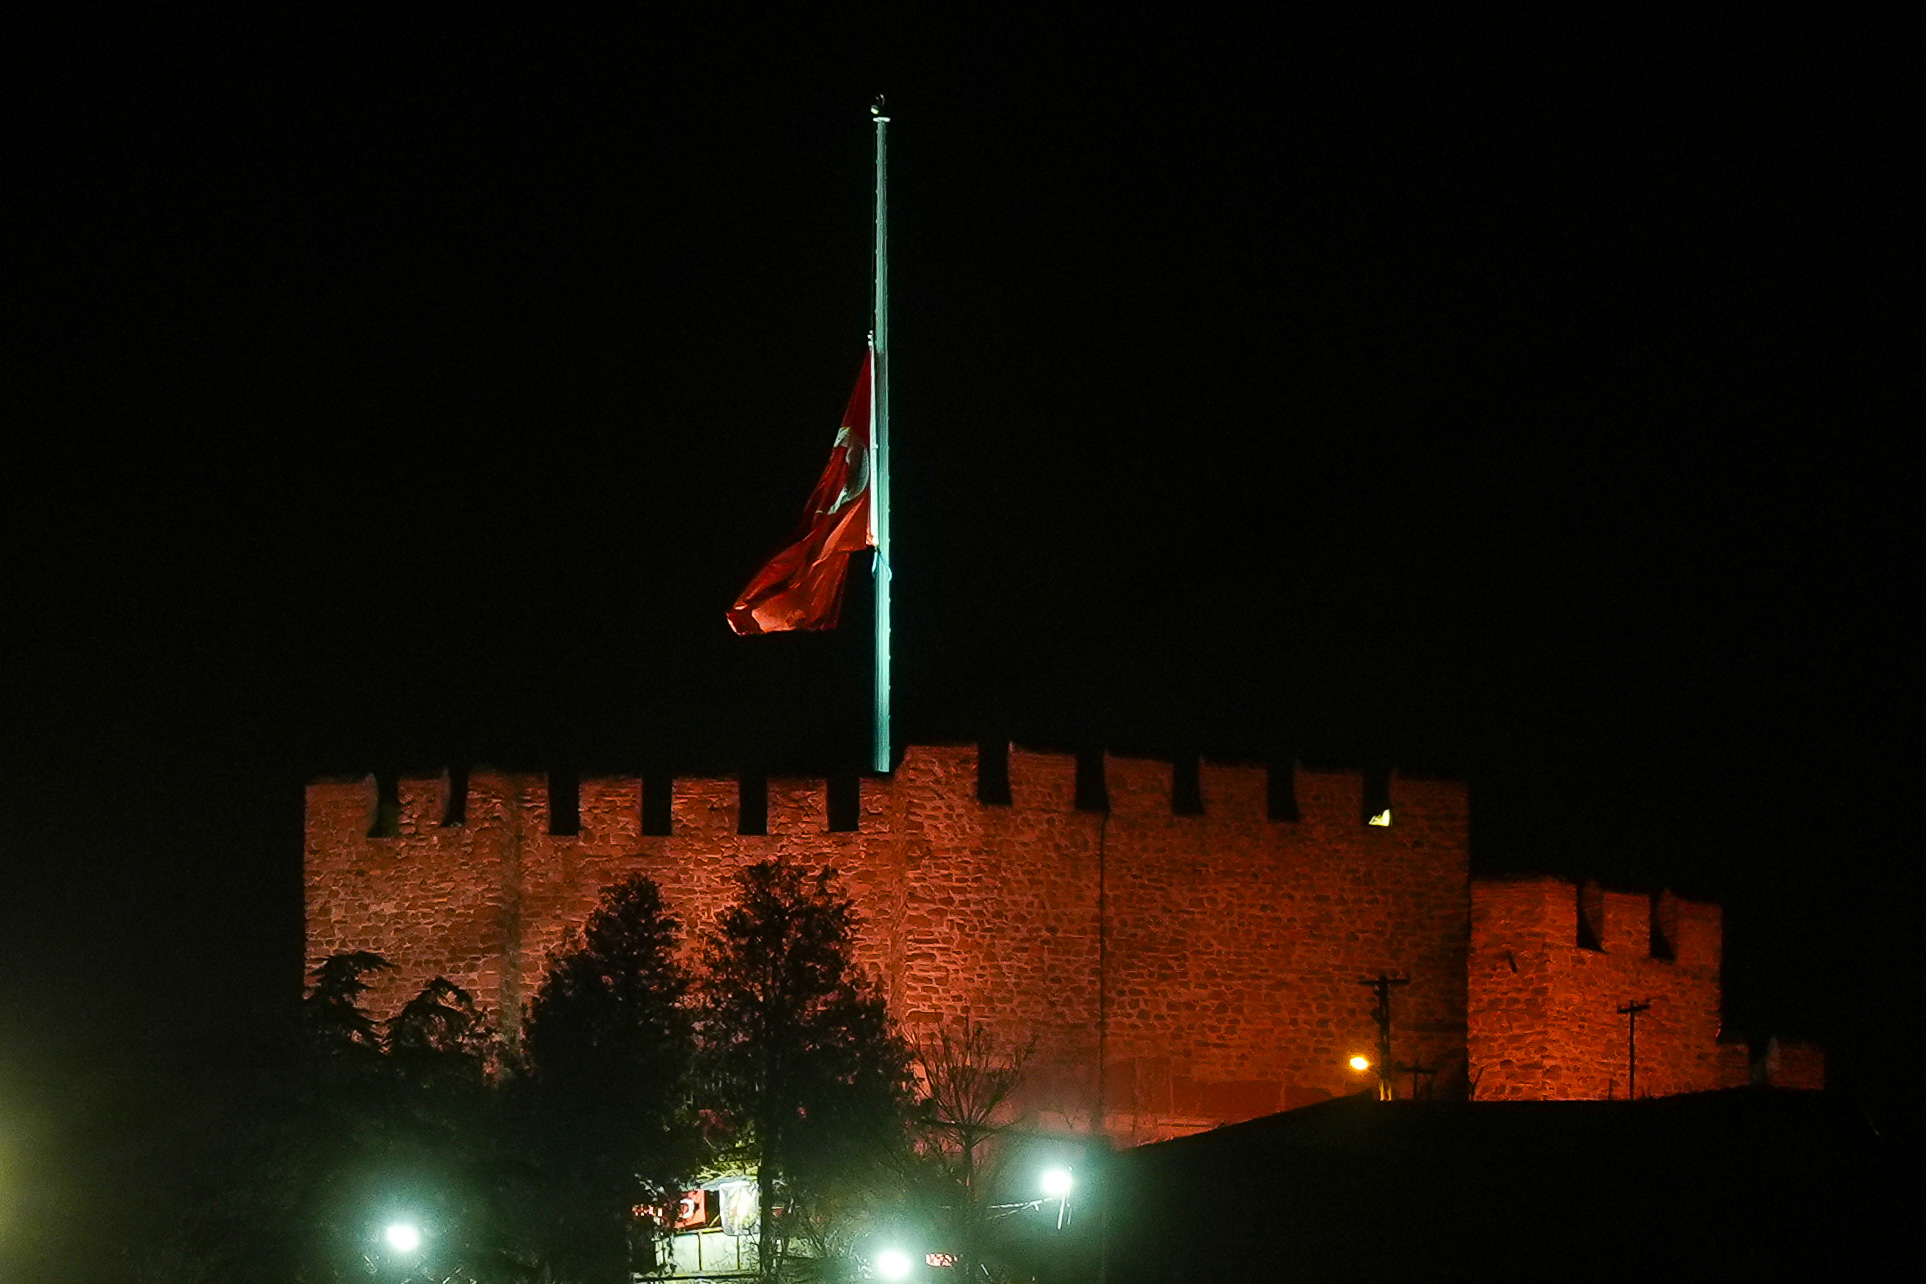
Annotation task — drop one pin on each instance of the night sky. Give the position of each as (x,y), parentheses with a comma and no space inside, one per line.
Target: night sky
(1516,404)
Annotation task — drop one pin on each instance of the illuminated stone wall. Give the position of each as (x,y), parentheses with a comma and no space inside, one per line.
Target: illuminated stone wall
(1791,1064)
(1551,964)
(1191,968)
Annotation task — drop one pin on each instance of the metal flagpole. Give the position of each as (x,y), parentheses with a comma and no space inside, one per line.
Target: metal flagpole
(879,438)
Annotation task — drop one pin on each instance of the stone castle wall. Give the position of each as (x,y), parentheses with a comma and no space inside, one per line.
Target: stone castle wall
(1190,969)
(1786,1063)
(1551,965)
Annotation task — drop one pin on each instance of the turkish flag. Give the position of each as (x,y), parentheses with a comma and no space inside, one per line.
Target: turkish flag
(802,586)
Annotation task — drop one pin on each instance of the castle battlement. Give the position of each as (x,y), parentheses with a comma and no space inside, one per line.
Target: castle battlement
(1552,912)
(610,808)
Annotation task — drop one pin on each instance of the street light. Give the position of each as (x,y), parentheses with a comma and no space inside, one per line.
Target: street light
(402,1237)
(893,1264)
(1057,1185)
(1360,1063)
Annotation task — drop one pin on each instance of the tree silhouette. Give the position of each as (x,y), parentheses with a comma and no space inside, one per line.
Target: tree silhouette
(609,1047)
(803,1072)
(333,1026)
(967,1078)
(296,1166)
(440,1041)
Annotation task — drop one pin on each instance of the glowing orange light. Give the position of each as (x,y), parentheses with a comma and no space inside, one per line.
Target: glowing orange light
(1360,1064)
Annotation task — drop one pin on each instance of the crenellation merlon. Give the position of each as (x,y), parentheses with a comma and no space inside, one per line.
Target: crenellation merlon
(529,797)
(491,798)
(1334,799)
(1137,786)
(931,782)
(703,806)
(1625,923)
(875,800)
(1233,791)
(1694,929)
(342,806)
(798,806)
(424,802)
(610,809)
(1042,781)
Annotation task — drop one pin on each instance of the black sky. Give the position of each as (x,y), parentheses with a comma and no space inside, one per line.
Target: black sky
(1520,404)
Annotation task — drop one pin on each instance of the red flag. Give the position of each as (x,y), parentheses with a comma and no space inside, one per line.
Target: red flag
(802,586)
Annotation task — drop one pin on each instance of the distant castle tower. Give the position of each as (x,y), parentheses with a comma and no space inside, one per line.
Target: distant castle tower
(1185,949)
(1552,965)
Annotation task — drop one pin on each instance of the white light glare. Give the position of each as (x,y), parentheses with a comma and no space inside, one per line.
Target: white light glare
(403,1238)
(1382,818)
(1057,1183)
(893,1264)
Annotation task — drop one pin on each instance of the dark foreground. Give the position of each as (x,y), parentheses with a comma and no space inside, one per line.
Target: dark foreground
(1745,1184)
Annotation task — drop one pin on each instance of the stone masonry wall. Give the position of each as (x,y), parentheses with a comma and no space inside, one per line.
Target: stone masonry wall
(1191,969)
(1787,1063)
(1551,964)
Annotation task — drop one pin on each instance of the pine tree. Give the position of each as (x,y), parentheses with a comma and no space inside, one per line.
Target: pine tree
(333,1027)
(802,1067)
(367,1121)
(609,1047)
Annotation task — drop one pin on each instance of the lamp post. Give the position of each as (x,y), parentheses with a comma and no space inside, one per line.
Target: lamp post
(400,1245)
(893,1264)
(1057,1185)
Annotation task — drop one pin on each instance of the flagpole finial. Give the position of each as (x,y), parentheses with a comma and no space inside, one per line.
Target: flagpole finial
(880,110)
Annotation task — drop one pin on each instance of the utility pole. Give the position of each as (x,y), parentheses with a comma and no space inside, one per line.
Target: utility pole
(1381,986)
(1630,1012)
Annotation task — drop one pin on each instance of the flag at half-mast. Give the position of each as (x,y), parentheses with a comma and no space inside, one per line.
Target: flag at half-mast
(802,586)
